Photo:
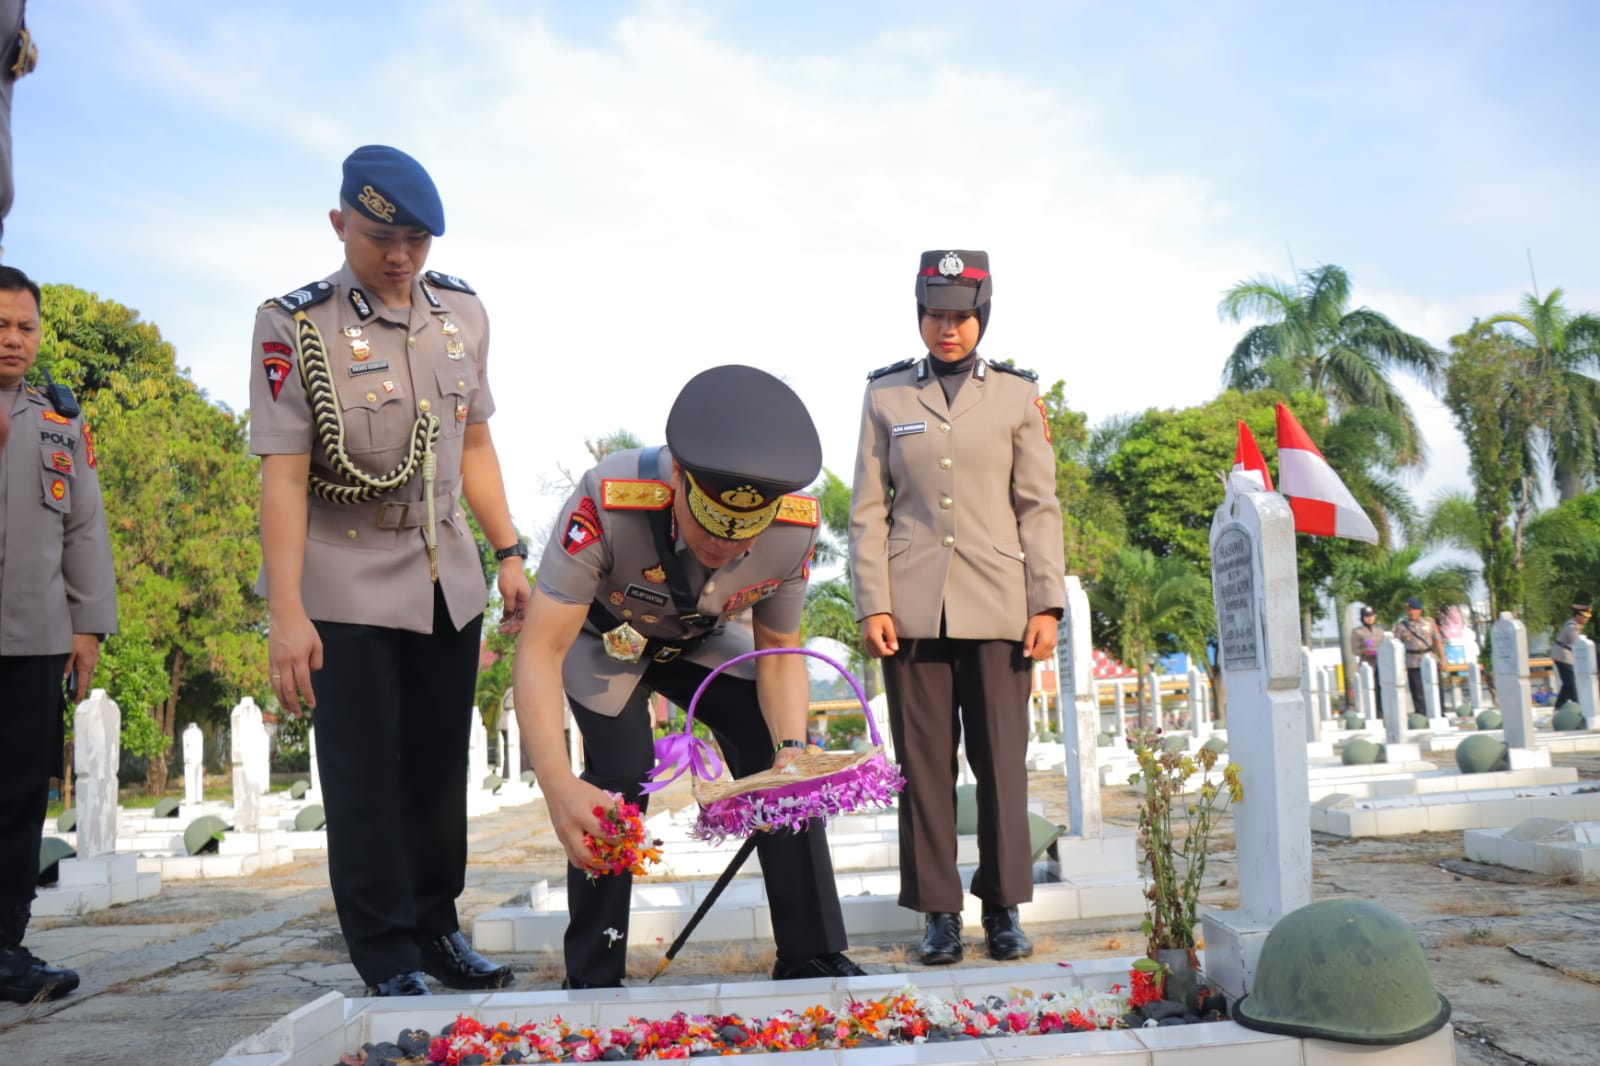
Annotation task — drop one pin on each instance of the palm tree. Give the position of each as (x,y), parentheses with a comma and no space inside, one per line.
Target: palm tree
(1146,599)
(830,609)
(1384,580)
(1568,345)
(1309,338)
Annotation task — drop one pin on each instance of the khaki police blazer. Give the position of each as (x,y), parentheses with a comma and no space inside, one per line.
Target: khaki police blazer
(56,577)
(1561,650)
(954,511)
(367,563)
(604,552)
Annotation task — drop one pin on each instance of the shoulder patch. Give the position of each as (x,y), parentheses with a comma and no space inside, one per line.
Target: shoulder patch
(904,364)
(621,494)
(799,511)
(449,281)
(303,297)
(1007,368)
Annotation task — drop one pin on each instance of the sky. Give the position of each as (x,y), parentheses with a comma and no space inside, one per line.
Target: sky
(641,190)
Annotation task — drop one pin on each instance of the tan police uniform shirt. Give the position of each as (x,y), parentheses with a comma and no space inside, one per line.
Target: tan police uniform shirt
(1366,640)
(955,505)
(1566,639)
(1418,638)
(56,577)
(604,551)
(367,563)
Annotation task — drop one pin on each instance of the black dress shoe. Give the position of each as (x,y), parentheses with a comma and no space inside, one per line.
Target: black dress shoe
(1003,935)
(25,977)
(941,942)
(452,962)
(402,984)
(831,965)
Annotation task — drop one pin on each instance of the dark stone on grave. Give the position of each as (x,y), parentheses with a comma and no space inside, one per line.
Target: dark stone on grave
(941,1035)
(611,1054)
(573,1038)
(166,807)
(1360,752)
(1481,754)
(1133,1019)
(703,1052)
(1005,1024)
(1161,1009)
(872,1041)
(960,1036)
(1568,716)
(202,835)
(311,818)
(474,1059)
(732,1034)
(994,1003)
(299,789)
(1344,970)
(67,820)
(1416,721)
(493,782)
(528,777)
(414,1042)
(1489,718)
(512,1056)
(383,1053)
(1354,720)
(51,851)
(1164,1022)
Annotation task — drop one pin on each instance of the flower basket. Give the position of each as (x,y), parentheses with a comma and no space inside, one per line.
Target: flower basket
(815,784)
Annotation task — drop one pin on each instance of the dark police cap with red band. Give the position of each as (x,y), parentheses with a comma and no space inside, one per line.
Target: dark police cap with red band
(954,280)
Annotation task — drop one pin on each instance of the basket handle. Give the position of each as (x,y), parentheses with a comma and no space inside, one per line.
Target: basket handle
(678,752)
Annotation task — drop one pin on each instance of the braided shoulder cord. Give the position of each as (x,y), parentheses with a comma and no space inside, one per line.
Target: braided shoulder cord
(329,421)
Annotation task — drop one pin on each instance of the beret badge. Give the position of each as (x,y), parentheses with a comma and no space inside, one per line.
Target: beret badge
(375,202)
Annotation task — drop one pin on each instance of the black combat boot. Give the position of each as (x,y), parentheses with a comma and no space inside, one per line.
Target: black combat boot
(24,977)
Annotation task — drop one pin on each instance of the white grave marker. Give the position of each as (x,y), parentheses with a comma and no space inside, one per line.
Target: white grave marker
(194,746)
(96,754)
(1075,689)
(1514,687)
(1584,669)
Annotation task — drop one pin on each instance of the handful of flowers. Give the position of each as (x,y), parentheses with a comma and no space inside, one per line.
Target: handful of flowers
(622,845)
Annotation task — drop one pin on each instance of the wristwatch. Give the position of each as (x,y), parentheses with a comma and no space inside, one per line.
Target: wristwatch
(519,549)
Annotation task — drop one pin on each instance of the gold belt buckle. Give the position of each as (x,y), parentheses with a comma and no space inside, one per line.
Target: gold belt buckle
(383,514)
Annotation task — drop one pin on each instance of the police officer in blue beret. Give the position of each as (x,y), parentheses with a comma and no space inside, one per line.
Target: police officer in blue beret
(370,401)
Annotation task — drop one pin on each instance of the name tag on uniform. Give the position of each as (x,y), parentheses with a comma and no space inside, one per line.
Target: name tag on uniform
(903,429)
(639,592)
(368,368)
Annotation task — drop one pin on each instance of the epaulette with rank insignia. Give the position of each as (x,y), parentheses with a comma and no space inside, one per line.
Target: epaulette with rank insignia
(449,281)
(621,494)
(301,298)
(904,364)
(799,510)
(1007,368)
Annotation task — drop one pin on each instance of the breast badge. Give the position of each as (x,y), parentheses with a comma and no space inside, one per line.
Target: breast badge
(624,643)
(749,596)
(617,599)
(655,575)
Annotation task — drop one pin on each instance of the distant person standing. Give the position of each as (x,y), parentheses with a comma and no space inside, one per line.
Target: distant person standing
(1562,652)
(17,57)
(1365,640)
(58,600)
(1420,636)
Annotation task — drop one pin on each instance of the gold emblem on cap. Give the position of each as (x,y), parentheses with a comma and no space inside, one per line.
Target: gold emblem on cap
(744,497)
(374,201)
(951,265)
(721,522)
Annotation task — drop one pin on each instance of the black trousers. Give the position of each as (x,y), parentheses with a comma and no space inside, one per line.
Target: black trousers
(618,754)
(31,732)
(940,690)
(392,723)
(1569,684)
(1414,679)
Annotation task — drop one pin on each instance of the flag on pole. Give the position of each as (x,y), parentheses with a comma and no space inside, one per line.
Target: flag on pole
(1322,505)
(1249,469)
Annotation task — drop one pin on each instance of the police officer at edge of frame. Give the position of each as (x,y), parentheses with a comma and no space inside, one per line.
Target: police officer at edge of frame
(660,549)
(957,559)
(1563,655)
(369,406)
(57,602)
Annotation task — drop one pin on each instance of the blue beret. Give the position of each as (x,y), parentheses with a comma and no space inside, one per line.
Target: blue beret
(387,185)
(1415,603)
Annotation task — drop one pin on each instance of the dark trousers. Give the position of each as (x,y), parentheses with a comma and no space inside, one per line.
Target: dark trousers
(619,752)
(32,736)
(1414,679)
(940,690)
(392,722)
(1569,684)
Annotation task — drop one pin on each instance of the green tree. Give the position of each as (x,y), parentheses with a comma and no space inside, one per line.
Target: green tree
(830,610)
(1148,604)
(1383,579)
(1092,523)
(1563,346)
(1563,559)
(1309,338)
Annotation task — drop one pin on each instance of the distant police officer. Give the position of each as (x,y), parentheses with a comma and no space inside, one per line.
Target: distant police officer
(1419,636)
(659,551)
(1365,639)
(369,400)
(1562,651)
(957,558)
(57,600)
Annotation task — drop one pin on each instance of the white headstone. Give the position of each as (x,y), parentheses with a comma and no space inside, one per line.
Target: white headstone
(314,793)
(1430,687)
(1119,702)
(1075,689)
(878,707)
(1396,693)
(477,753)
(511,765)
(1256,592)
(1308,697)
(246,736)
(1364,691)
(96,754)
(1514,688)
(1475,686)
(194,747)
(574,737)
(1588,695)
(1199,717)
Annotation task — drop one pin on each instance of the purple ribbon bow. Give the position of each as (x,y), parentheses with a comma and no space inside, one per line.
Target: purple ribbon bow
(677,752)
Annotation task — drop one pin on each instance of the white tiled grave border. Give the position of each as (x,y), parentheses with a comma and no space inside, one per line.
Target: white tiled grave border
(1547,846)
(318,1033)
(1446,812)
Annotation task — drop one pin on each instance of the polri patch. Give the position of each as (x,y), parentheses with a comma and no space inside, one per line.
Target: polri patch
(639,592)
(583,527)
(748,596)
(277,368)
(905,429)
(276,348)
(88,444)
(1038,401)
(62,461)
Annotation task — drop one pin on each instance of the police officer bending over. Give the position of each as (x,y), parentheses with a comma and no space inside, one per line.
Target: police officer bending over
(659,549)
(369,404)
(58,599)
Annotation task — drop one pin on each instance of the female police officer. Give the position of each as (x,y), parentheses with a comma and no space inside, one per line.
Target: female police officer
(957,559)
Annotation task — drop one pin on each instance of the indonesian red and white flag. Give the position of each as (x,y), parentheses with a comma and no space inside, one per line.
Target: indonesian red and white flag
(1321,503)
(1249,472)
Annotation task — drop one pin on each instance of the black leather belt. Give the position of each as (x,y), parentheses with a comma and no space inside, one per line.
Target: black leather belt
(655,649)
